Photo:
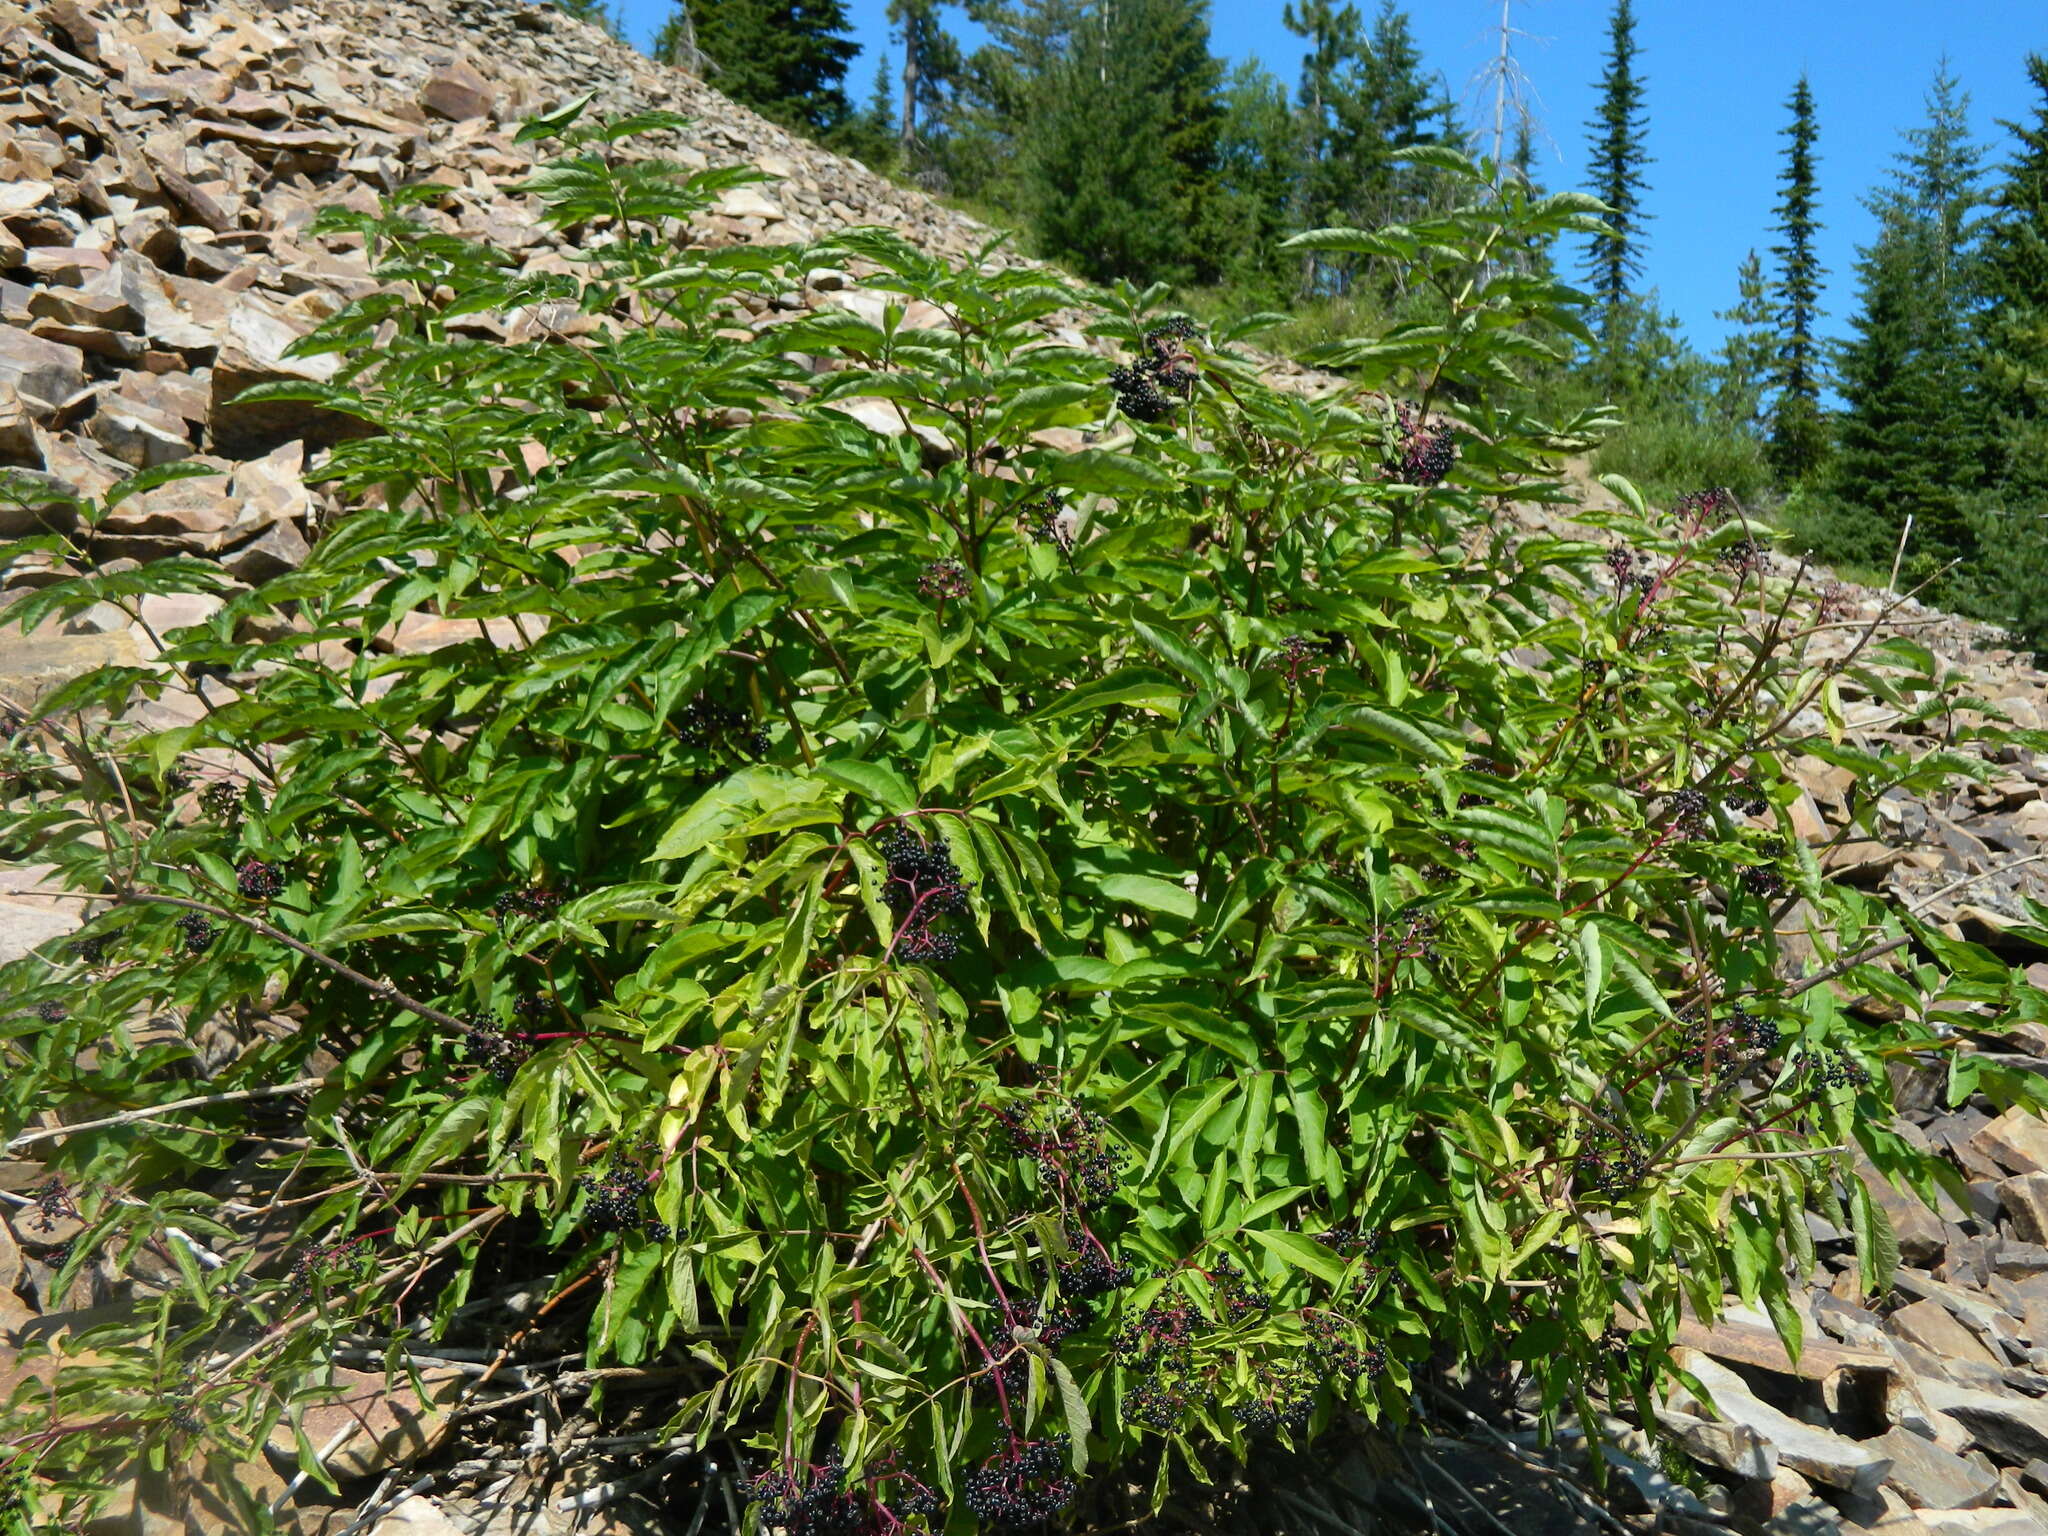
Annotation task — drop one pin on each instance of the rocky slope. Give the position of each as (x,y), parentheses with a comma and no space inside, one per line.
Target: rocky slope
(160,163)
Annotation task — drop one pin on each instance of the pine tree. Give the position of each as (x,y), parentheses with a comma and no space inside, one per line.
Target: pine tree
(1004,88)
(1912,439)
(1618,157)
(1256,167)
(931,69)
(1749,353)
(1123,161)
(2013,273)
(1798,434)
(1329,78)
(784,58)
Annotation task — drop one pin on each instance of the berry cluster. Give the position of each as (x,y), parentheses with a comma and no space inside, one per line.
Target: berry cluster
(1690,813)
(1335,1346)
(526,901)
(1160,1401)
(1025,1484)
(1160,1337)
(1732,1045)
(812,1502)
(1091,1272)
(615,1199)
(1285,1399)
(923,885)
(91,950)
(1613,1160)
(1238,1296)
(501,1053)
(221,800)
(49,1205)
(1744,558)
(258,881)
(1148,389)
(1043,520)
(351,1256)
(1350,1239)
(1833,1068)
(198,933)
(1422,454)
(1762,880)
(1413,939)
(50,1011)
(1699,511)
(704,722)
(1072,1147)
(944,579)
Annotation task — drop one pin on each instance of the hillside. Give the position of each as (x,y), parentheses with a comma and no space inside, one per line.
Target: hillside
(159,167)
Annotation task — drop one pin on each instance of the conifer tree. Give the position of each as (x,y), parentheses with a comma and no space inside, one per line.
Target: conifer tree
(1328,79)
(1798,435)
(1618,158)
(1123,162)
(1003,92)
(1912,436)
(784,58)
(1256,167)
(931,68)
(2013,273)
(1749,354)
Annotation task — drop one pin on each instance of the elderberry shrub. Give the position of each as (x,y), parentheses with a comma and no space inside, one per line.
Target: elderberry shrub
(1613,1160)
(1284,1398)
(1025,1484)
(1148,389)
(1690,813)
(222,800)
(1419,454)
(615,1199)
(1699,511)
(1043,520)
(1333,1341)
(923,885)
(197,933)
(1734,1043)
(258,881)
(1238,1296)
(50,1011)
(944,580)
(1076,1157)
(500,1053)
(534,901)
(811,1501)
(1092,1272)
(706,723)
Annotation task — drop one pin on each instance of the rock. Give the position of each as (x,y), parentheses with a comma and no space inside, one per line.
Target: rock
(1929,1477)
(2016,1141)
(38,663)
(1732,1447)
(2024,1198)
(139,435)
(1819,1454)
(277,549)
(2009,1426)
(47,370)
(456,91)
(379,1425)
(245,429)
(18,446)
(417,1516)
(1934,1328)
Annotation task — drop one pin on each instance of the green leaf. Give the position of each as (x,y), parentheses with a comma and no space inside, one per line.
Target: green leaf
(1299,1252)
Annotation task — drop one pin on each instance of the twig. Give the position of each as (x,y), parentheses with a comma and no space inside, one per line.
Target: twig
(132,1116)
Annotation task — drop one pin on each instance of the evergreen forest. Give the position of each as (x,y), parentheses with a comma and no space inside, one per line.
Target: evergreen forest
(1116,142)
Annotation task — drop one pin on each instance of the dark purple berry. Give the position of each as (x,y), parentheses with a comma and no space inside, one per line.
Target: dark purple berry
(258,881)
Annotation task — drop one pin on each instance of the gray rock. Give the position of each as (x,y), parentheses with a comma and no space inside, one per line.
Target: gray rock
(1929,1477)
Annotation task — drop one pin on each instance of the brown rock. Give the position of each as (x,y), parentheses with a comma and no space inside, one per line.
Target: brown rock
(40,662)
(2025,1200)
(277,549)
(1929,1477)
(18,447)
(139,435)
(380,1424)
(2017,1141)
(1935,1329)
(457,92)
(246,428)
(107,310)
(44,369)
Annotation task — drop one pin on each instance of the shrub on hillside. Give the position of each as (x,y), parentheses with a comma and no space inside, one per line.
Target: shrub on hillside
(983,952)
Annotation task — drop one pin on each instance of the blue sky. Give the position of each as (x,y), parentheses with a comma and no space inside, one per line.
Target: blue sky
(1718,73)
